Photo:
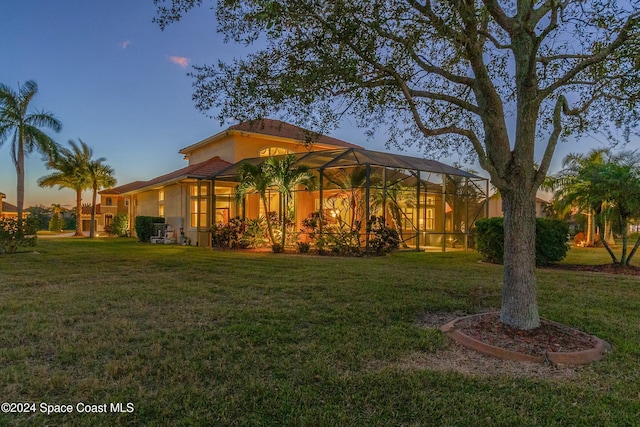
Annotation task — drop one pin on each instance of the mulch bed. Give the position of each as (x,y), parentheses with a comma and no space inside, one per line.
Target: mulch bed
(549,337)
(630,270)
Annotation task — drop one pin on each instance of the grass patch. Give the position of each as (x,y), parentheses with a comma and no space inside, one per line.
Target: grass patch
(201,337)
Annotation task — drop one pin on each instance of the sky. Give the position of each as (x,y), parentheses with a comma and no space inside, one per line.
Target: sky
(119,83)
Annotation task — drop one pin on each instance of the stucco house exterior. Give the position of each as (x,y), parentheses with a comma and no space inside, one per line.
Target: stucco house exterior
(437,204)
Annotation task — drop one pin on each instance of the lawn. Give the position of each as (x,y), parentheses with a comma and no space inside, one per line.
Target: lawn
(191,336)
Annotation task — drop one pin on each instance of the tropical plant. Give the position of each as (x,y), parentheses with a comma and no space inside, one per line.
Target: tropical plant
(25,128)
(100,176)
(616,184)
(254,179)
(285,176)
(349,198)
(572,191)
(72,171)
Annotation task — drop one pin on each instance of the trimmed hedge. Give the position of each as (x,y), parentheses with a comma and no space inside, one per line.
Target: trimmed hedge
(144,226)
(551,240)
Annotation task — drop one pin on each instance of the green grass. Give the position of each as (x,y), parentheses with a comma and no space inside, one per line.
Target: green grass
(200,337)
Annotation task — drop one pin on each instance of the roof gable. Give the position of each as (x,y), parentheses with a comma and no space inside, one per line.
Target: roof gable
(275,128)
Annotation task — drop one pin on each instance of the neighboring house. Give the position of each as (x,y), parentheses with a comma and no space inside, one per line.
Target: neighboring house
(7,210)
(495,206)
(193,198)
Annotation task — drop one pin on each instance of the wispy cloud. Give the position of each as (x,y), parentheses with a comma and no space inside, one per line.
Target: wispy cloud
(125,44)
(179,60)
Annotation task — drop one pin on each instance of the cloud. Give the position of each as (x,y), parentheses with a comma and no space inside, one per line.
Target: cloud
(125,44)
(179,60)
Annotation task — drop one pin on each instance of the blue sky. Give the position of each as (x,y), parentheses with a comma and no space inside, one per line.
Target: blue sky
(120,84)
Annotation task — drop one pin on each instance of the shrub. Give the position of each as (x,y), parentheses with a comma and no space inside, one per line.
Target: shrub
(120,224)
(580,239)
(304,247)
(56,223)
(12,236)
(551,240)
(255,234)
(489,236)
(382,238)
(144,226)
(229,235)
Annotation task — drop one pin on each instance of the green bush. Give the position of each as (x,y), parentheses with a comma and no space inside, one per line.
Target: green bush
(551,240)
(57,223)
(144,226)
(119,225)
(12,236)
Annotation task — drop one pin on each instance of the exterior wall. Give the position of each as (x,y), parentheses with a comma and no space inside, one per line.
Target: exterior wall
(237,146)
(225,149)
(495,207)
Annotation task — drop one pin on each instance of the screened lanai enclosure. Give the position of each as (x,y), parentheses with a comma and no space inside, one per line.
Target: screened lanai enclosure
(431,205)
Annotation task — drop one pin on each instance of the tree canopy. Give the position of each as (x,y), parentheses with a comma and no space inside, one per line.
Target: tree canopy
(489,77)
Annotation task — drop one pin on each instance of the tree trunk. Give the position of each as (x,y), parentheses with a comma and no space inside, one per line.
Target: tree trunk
(92,228)
(268,218)
(623,256)
(79,213)
(20,172)
(590,231)
(633,251)
(608,233)
(519,293)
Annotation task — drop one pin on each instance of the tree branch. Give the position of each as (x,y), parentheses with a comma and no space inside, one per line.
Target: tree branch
(623,36)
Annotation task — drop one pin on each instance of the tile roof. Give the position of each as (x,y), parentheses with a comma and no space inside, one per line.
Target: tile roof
(8,207)
(287,130)
(198,171)
(122,188)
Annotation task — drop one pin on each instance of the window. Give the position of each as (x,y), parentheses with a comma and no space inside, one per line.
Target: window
(193,190)
(428,223)
(109,201)
(198,205)
(273,151)
(161,203)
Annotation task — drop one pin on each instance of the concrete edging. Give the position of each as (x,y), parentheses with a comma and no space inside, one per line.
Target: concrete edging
(568,358)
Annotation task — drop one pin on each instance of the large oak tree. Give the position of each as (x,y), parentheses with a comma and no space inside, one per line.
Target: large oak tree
(494,77)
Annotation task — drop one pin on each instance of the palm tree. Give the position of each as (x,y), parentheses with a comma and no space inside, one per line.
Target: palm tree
(616,183)
(253,179)
(572,189)
(285,177)
(25,129)
(100,176)
(72,168)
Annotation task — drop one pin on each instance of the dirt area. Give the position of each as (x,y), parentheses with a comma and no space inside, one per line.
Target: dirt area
(549,336)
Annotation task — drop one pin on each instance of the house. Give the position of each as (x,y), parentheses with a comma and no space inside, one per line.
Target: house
(495,206)
(431,200)
(7,210)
